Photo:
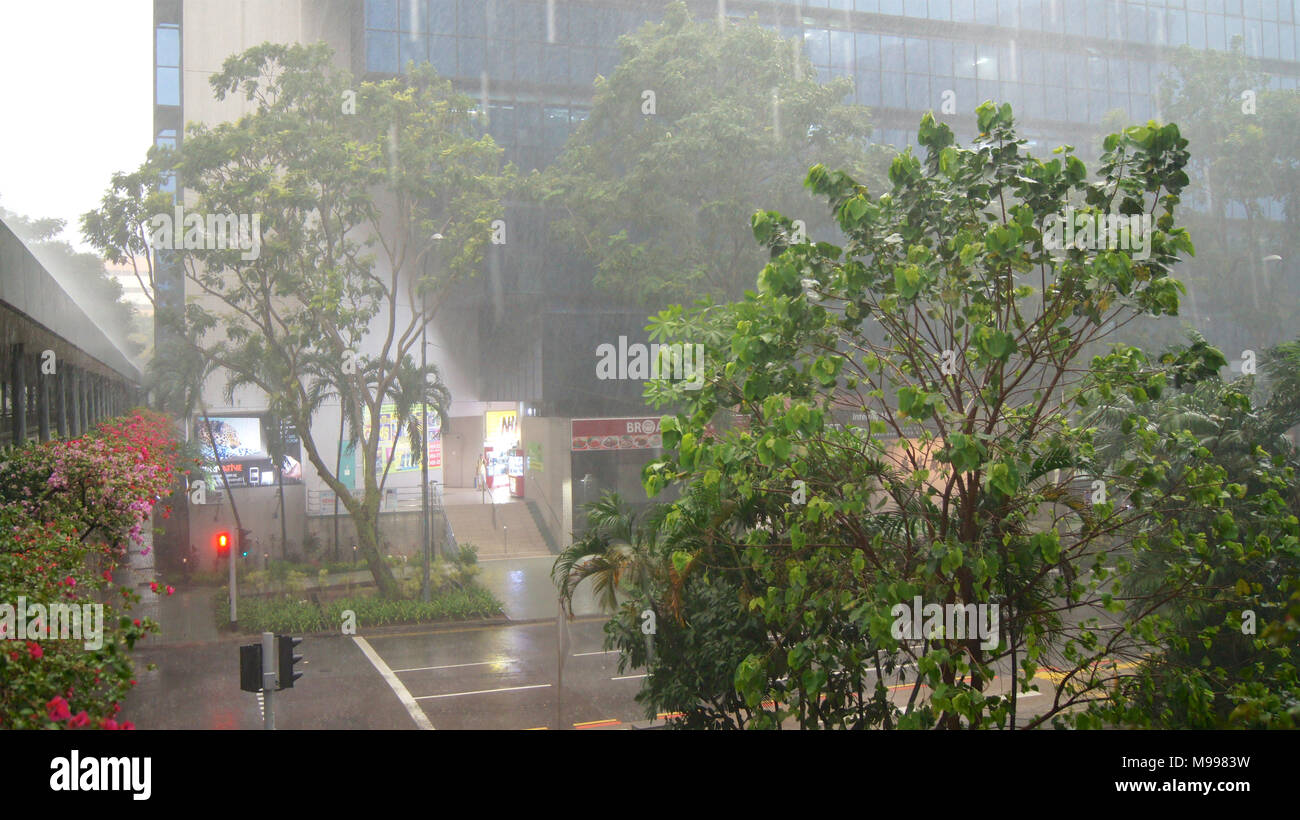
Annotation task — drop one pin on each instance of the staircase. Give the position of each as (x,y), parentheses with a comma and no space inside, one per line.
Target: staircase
(512,533)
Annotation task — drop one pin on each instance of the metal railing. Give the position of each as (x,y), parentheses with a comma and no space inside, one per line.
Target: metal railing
(320,503)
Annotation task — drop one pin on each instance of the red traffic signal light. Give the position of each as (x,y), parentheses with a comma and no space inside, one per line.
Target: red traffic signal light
(223,543)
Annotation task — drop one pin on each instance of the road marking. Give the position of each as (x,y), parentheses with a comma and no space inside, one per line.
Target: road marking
(585,654)
(455,665)
(550,622)
(485,691)
(412,708)
(631,677)
(592,723)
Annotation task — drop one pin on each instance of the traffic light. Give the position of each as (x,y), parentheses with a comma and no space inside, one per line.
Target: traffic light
(223,543)
(250,667)
(285,644)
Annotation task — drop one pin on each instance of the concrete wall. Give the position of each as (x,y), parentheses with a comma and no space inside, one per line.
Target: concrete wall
(551,486)
(462,444)
(259,513)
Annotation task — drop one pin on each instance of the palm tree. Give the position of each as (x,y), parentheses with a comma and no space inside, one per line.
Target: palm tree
(619,551)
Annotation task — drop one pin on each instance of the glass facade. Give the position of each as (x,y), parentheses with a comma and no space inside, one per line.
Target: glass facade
(1062,64)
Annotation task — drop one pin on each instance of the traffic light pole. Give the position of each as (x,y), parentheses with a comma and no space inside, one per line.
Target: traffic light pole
(230,558)
(269,663)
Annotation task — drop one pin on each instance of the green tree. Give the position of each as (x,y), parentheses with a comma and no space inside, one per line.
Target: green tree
(375,200)
(950,327)
(697,126)
(1213,665)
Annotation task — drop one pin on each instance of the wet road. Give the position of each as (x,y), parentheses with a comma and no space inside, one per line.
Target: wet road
(471,677)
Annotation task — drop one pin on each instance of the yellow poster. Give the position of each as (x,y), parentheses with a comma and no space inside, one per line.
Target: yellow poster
(395,440)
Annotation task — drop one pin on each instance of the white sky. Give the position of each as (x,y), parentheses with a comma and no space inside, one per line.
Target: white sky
(77,98)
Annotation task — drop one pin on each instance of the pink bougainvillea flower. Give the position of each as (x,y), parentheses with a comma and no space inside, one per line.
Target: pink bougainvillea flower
(110,724)
(128,725)
(153,586)
(108,576)
(78,720)
(34,649)
(70,581)
(136,621)
(57,708)
(171,590)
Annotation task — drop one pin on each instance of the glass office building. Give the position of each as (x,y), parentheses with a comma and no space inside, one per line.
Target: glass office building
(1062,64)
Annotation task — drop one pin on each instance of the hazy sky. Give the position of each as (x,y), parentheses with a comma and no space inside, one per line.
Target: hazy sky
(77,93)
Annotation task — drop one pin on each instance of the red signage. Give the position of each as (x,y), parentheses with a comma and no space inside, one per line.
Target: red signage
(640,433)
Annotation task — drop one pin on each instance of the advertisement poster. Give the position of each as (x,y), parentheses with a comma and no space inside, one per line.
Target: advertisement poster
(591,435)
(243,444)
(397,442)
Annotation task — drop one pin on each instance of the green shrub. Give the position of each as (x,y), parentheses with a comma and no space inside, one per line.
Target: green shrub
(290,615)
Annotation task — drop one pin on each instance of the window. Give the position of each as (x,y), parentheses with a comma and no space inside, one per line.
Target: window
(168,45)
(917,55)
(412,47)
(414,15)
(868,54)
(381,51)
(168,86)
(442,53)
(381,14)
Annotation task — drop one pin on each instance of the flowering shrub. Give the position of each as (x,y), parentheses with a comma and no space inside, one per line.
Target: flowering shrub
(69,510)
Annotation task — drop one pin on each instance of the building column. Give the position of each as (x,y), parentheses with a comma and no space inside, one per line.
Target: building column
(61,394)
(18,392)
(43,407)
(78,412)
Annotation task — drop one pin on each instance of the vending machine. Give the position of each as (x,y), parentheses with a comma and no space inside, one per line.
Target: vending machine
(516,470)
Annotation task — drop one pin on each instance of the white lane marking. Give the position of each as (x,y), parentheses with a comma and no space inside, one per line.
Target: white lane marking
(412,708)
(631,677)
(455,665)
(585,654)
(484,691)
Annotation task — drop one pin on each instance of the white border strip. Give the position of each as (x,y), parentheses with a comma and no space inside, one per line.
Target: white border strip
(413,709)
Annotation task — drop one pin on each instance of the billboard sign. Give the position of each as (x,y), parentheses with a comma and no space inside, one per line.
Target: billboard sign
(243,444)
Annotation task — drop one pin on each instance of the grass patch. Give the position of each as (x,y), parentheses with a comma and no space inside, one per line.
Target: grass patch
(289,615)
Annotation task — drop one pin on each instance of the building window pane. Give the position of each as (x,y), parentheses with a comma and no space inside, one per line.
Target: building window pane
(413,47)
(470,53)
(381,51)
(891,53)
(414,15)
(169,86)
(381,14)
(471,18)
(816,44)
(868,56)
(442,53)
(918,93)
(917,55)
(442,16)
(169,46)
(893,92)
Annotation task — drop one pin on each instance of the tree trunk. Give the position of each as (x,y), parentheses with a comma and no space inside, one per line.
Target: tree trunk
(368,542)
